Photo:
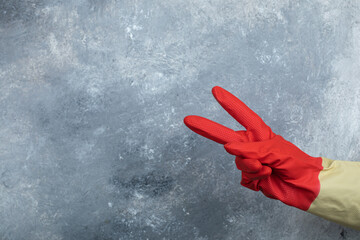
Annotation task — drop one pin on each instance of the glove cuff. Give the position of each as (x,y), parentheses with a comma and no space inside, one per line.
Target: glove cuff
(339,196)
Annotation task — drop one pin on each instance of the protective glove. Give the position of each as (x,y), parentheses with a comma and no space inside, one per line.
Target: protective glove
(282,171)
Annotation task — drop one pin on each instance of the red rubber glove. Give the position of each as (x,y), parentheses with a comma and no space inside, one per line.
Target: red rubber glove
(268,162)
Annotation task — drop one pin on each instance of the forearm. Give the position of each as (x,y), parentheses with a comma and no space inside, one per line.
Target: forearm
(339,196)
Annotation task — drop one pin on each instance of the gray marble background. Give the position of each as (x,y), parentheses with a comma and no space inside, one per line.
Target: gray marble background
(93,94)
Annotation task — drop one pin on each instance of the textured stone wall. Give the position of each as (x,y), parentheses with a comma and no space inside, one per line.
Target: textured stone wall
(92,99)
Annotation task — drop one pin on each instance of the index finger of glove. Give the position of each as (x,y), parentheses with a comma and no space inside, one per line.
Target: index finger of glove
(213,130)
(242,113)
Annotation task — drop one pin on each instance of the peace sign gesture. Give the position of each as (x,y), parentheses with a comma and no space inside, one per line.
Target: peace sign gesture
(256,128)
(268,162)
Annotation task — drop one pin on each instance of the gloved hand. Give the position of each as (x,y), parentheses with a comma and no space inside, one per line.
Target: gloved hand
(321,186)
(268,162)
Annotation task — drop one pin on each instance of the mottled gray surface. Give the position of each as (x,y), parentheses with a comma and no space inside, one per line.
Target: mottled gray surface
(93,94)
